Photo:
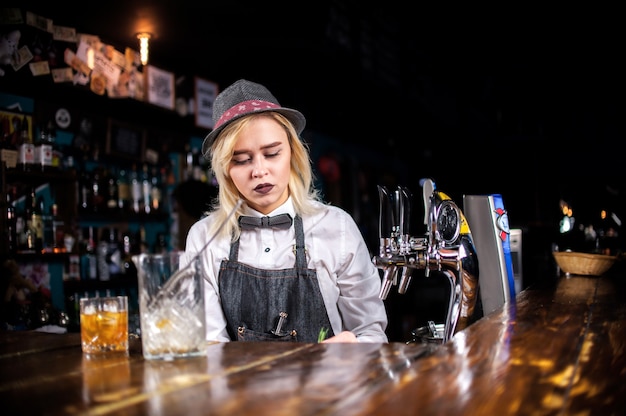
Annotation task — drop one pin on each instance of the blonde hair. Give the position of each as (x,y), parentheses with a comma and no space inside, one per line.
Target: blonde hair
(301,188)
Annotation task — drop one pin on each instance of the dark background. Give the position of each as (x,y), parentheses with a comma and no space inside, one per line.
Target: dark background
(526,101)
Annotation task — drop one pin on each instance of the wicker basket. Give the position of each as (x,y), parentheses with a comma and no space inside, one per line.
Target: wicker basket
(583,263)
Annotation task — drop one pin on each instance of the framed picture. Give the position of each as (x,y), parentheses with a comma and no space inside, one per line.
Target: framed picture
(160,87)
(125,140)
(205,93)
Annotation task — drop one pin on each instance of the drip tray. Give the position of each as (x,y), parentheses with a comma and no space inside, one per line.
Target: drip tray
(424,334)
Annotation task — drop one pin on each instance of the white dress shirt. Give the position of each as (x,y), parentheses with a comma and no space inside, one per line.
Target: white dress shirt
(349,282)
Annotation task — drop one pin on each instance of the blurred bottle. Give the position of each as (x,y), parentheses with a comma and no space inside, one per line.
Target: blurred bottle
(146,189)
(156,190)
(28,230)
(37,220)
(89,261)
(102,252)
(123,191)
(26,158)
(84,194)
(114,253)
(135,191)
(57,153)
(98,191)
(112,192)
(44,149)
(199,166)
(48,229)
(8,150)
(128,266)
(188,165)
(143,242)
(58,230)
(10,236)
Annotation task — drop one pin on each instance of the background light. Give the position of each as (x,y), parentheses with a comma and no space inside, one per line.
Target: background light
(144,38)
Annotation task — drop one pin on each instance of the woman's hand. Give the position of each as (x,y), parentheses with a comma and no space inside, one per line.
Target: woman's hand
(345,336)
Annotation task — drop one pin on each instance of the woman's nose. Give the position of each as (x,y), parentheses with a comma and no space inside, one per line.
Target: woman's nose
(258,169)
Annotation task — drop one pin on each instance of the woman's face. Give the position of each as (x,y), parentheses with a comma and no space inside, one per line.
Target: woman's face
(261,164)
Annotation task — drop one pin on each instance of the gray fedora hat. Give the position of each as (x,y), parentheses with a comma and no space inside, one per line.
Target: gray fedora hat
(244,97)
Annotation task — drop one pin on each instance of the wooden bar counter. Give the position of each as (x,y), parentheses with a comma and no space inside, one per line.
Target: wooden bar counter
(560,349)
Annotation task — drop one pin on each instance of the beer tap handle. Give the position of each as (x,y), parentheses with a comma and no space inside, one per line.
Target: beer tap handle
(399,213)
(407,197)
(385,218)
(428,187)
(428,191)
(406,272)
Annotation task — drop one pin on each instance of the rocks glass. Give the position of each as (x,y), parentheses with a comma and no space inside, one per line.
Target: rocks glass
(104,324)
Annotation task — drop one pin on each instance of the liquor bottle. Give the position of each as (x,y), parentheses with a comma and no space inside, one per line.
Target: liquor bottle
(98,189)
(102,251)
(135,191)
(88,261)
(123,191)
(20,228)
(58,230)
(27,147)
(143,242)
(114,254)
(8,151)
(37,221)
(156,190)
(197,169)
(56,158)
(112,193)
(146,189)
(27,230)
(43,150)
(11,223)
(188,168)
(85,192)
(128,266)
(48,229)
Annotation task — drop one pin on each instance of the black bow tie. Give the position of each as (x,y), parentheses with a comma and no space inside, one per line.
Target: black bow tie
(278,221)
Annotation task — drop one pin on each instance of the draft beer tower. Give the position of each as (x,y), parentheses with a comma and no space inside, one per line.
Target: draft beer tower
(488,220)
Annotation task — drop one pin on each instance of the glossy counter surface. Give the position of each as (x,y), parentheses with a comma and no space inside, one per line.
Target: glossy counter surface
(560,349)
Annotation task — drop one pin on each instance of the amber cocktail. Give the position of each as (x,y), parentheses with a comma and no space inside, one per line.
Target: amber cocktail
(104,324)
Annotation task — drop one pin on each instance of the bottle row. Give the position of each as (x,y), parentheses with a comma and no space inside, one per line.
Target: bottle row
(34,228)
(108,256)
(134,190)
(20,150)
(27,149)
(34,224)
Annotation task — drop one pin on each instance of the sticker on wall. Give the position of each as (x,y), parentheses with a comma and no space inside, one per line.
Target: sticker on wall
(63,118)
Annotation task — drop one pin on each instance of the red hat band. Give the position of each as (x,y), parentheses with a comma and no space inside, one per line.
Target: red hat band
(244,107)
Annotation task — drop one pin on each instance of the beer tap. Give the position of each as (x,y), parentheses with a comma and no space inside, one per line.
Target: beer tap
(403,195)
(386,233)
(446,249)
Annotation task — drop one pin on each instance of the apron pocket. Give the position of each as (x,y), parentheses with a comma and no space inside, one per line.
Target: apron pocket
(246,334)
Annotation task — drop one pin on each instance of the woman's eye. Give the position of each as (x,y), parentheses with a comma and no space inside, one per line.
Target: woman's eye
(272,155)
(241,161)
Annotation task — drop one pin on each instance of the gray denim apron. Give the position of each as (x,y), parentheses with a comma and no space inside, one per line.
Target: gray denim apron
(272,305)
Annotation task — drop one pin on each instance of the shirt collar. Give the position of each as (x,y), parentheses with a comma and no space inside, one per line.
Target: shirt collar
(286,208)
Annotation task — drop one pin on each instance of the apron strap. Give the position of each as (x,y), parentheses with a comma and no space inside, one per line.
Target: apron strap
(299,248)
(234,251)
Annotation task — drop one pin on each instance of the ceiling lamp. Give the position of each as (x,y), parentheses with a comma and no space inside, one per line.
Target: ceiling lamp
(143,37)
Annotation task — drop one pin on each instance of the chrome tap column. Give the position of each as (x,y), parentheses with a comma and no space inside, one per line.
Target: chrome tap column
(446,249)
